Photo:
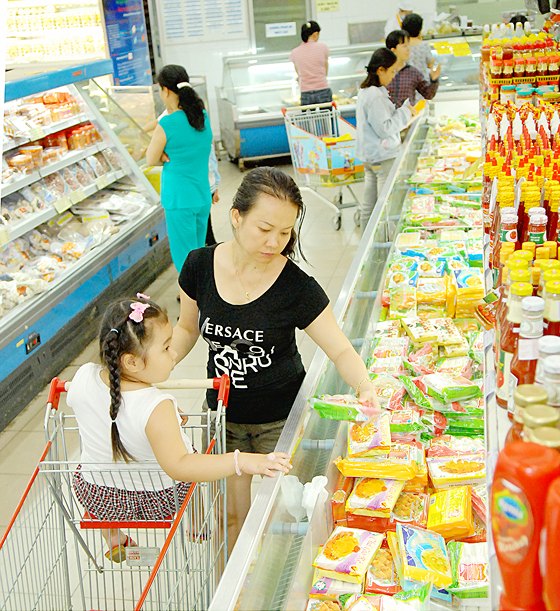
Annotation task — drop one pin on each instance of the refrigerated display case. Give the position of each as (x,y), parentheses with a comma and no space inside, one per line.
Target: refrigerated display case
(80,224)
(51,32)
(256,87)
(271,564)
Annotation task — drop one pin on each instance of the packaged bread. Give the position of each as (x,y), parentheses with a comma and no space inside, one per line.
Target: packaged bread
(423,555)
(450,513)
(447,331)
(400,463)
(347,554)
(372,439)
(374,497)
(411,508)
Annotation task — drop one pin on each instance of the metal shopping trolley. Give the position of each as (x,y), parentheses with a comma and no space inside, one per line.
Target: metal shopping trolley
(322,147)
(52,555)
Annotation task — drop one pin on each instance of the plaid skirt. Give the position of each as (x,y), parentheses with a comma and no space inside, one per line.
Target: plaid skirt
(118,505)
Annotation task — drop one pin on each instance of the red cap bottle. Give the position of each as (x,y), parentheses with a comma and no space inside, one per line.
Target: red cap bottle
(551,590)
(524,472)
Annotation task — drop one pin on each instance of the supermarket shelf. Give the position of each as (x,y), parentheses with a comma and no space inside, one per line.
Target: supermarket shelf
(27,313)
(68,159)
(58,33)
(14,4)
(38,218)
(40,132)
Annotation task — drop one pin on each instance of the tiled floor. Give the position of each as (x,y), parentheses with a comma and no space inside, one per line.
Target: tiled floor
(329,254)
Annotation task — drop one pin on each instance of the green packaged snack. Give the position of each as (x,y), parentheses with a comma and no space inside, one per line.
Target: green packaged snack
(469,567)
(405,421)
(446,389)
(415,393)
(341,407)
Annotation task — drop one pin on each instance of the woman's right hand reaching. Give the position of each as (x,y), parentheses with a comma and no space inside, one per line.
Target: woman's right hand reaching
(264,464)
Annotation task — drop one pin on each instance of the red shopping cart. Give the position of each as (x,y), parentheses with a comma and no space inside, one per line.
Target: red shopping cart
(52,555)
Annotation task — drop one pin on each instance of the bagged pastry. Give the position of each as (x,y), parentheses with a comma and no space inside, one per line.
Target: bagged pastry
(381,576)
(374,497)
(373,439)
(450,513)
(448,471)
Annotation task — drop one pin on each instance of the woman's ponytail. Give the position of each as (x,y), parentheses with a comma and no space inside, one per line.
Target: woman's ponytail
(176,79)
(192,104)
(113,362)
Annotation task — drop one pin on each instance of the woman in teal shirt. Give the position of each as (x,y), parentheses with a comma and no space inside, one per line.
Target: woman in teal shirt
(181,142)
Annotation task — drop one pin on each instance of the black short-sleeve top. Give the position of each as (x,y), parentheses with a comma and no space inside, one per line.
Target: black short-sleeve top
(254,343)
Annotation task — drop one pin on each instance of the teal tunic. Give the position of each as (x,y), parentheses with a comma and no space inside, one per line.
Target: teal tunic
(185,186)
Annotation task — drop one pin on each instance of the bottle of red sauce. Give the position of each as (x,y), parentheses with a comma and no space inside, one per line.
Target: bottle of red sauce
(551,590)
(523,474)
(508,339)
(524,362)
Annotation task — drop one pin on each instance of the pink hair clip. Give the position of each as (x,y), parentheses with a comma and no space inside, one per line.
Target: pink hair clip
(142,296)
(138,309)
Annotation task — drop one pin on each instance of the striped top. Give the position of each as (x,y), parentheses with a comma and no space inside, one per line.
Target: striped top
(310,59)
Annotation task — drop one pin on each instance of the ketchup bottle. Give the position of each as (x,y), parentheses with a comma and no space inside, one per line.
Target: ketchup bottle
(551,590)
(523,474)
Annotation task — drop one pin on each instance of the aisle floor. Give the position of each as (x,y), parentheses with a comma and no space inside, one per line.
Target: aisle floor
(329,253)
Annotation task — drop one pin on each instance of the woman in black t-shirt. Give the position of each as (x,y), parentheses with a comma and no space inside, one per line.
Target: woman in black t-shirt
(246,297)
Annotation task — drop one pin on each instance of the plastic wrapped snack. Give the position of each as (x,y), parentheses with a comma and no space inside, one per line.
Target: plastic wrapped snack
(95,165)
(342,490)
(388,391)
(448,334)
(342,407)
(113,158)
(381,577)
(347,554)
(431,291)
(450,513)
(447,389)
(390,347)
(82,176)
(420,331)
(388,329)
(405,421)
(403,302)
(317,604)
(373,439)
(453,350)
(469,565)
(411,508)
(405,241)
(103,162)
(84,165)
(392,365)
(70,179)
(399,464)
(448,471)
(374,497)
(415,393)
(325,587)
(405,277)
(431,269)
(448,445)
(401,264)
(479,498)
(56,185)
(455,366)
(423,555)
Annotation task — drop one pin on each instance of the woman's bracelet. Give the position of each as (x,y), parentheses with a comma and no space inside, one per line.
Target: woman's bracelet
(358,388)
(236,462)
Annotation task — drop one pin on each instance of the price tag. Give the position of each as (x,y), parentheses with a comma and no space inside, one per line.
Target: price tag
(77,196)
(4,236)
(62,204)
(36,133)
(102,181)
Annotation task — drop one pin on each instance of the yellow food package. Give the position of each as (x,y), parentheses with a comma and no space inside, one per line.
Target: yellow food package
(374,497)
(431,291)
(373,439)
(420,105)
(400,463)
(448,334)
(450,513)
(420,331)
(448,471)
(423,555)
(347,554)
(459,349)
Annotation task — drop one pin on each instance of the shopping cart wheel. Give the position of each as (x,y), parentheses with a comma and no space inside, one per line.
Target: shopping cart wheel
(357,218)
(337,222)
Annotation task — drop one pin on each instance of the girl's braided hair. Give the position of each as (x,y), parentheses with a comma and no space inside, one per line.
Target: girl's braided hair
(120,335)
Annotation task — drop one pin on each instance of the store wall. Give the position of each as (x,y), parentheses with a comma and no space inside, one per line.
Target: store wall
(205,58)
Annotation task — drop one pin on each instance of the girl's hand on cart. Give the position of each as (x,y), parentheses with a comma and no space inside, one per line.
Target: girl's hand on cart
(264,464)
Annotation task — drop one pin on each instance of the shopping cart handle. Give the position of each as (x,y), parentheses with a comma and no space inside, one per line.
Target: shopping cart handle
(57,386)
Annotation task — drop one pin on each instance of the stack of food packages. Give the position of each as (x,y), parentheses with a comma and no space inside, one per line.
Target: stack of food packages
(409,507)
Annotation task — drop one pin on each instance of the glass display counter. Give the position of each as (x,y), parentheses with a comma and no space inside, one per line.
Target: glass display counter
(256,88)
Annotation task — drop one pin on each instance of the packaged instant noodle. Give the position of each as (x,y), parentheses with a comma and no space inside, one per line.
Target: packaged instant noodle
(347,554)
(373,439)
(450,513)
(424,556)
(374,497)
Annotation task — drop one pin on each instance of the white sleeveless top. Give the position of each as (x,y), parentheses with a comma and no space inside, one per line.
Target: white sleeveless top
(90,399)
